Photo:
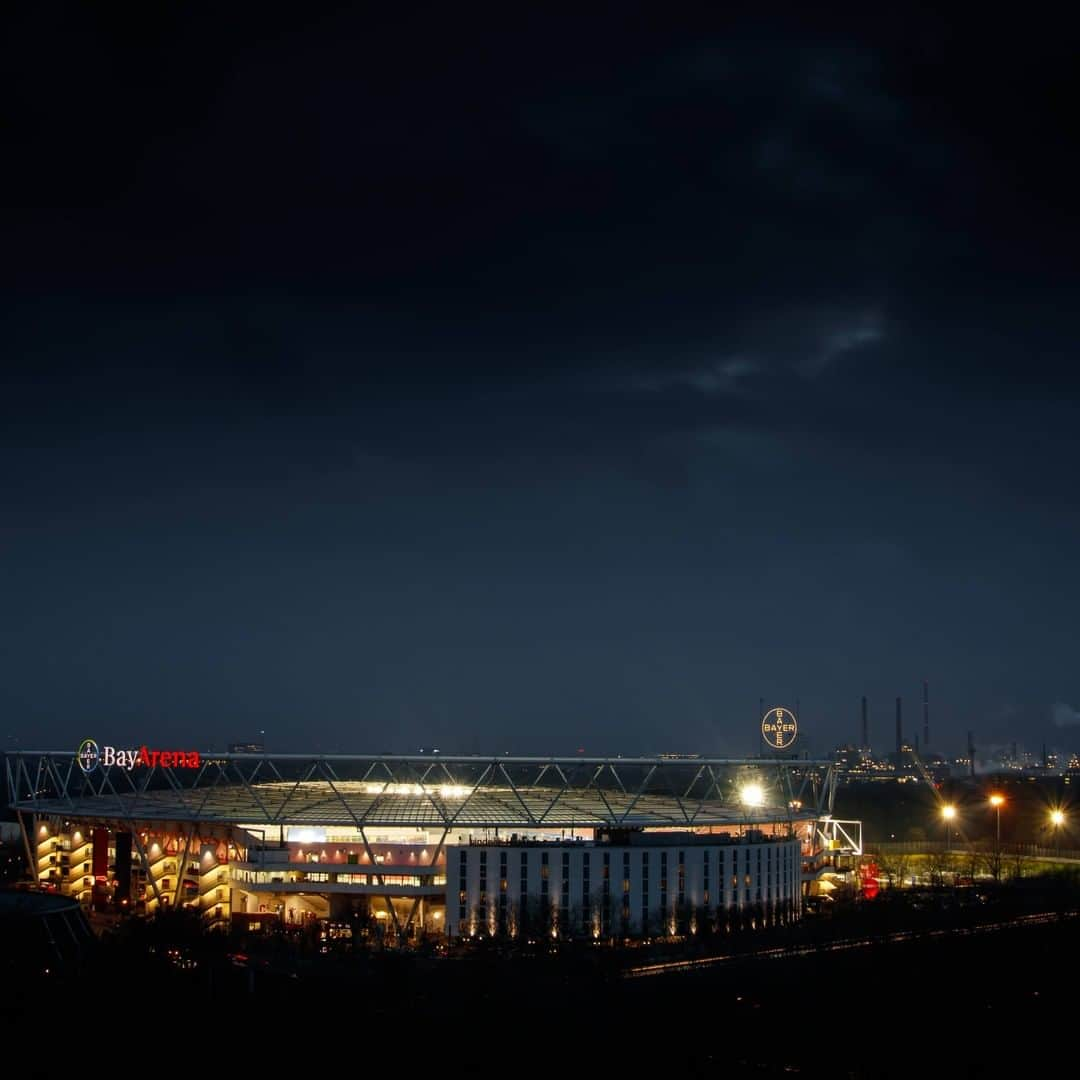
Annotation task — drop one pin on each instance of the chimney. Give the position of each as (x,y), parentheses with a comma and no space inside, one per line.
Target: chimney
(971,754)
(899,728)
(865,744)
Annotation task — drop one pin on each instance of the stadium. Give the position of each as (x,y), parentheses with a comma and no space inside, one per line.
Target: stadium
(430,844)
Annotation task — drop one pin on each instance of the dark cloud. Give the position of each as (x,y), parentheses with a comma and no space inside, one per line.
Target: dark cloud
(591,377)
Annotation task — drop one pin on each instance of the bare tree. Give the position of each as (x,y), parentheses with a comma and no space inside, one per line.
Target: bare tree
(894,865)
(937,863)
(1017,863)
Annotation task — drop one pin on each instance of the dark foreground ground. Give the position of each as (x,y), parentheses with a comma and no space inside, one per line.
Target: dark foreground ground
(997,1003)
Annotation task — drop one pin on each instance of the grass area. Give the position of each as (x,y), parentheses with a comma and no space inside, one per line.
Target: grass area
(954,868)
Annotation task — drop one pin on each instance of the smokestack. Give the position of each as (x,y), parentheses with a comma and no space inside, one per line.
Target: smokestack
(760,709)
(925,713)
(865,744)
(971,754)
(899,728)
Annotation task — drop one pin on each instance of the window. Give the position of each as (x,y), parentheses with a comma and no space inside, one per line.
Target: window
(564,892)
(606,887)
(644,892)
(463,878)
(481,909)
(523,894)
(502,891)
(585,889)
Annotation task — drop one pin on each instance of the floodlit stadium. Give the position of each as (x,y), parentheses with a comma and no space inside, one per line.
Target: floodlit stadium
(429,844)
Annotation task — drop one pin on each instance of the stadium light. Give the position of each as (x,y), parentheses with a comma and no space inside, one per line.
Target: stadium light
(752,795)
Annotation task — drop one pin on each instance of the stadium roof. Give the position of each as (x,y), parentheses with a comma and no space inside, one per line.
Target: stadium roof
(426,791)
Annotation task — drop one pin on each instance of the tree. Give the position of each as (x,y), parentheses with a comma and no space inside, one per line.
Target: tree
(974,863)
(601,916)
(937,863)
(894,866)
(1017,863)
(545,918)
(683,914)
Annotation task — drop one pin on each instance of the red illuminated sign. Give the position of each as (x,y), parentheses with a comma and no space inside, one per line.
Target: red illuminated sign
(868,876)
(168,759)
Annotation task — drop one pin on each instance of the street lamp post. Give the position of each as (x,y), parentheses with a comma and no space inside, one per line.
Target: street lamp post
(996,801)
(1057,819)
(947,815)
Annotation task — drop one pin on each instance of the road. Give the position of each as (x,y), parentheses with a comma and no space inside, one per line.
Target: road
(673,967)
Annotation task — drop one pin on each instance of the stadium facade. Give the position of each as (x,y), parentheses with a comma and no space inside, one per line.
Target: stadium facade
(430,843)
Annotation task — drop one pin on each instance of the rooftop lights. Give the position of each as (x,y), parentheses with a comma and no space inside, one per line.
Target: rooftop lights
(445,791)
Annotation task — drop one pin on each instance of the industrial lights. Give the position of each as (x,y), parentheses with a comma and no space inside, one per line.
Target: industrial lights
(948,812)
(996,800)
(1057,818)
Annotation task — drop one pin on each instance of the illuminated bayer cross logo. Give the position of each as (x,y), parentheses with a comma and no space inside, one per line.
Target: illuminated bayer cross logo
(779,728)
(88,755)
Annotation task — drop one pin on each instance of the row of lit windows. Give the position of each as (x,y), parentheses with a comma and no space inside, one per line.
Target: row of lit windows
(773,877)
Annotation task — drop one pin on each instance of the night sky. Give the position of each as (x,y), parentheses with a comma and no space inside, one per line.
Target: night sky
(529,383)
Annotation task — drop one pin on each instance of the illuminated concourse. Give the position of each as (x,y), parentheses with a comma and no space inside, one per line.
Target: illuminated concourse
(431,844)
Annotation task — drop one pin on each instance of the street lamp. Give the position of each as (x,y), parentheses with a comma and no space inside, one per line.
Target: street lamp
(1057,819)
(995,802)
(947,815)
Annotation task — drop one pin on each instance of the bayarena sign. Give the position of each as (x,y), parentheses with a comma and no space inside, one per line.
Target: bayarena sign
(90,756)
(779,728)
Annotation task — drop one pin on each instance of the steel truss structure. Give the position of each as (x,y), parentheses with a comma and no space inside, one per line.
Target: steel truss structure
(428,791)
